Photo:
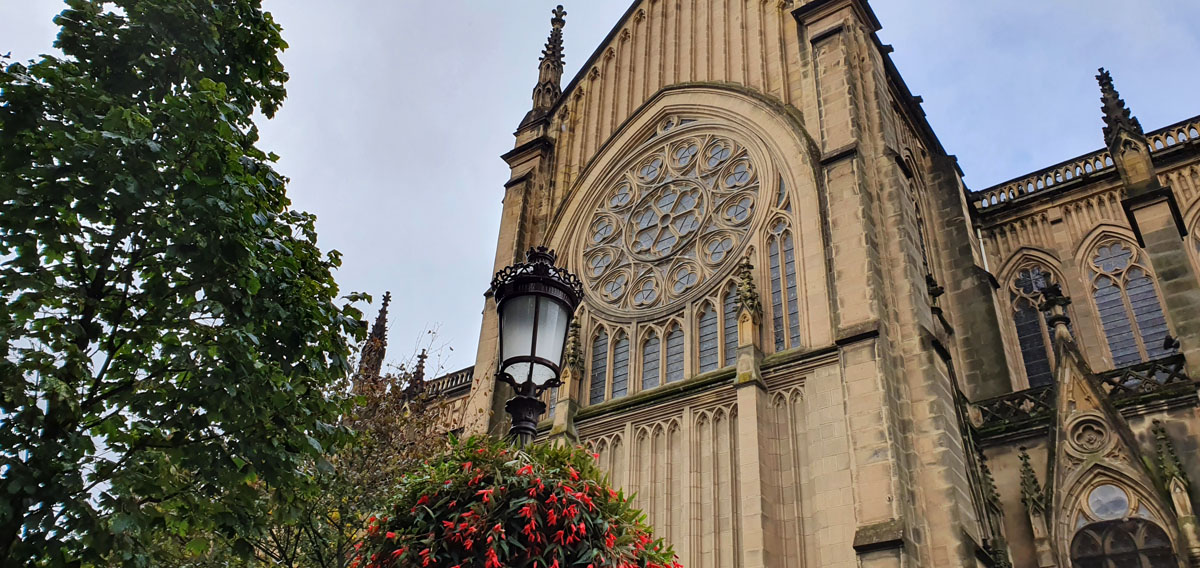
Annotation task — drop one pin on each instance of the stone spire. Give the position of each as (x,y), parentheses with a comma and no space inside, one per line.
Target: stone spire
(550,70)
(1117,118)
(1126,142)
(370,361)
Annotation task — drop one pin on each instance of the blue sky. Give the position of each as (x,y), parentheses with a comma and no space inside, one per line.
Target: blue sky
(399,110)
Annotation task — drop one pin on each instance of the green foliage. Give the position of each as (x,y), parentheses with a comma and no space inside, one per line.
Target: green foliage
(484,504)
(169,328)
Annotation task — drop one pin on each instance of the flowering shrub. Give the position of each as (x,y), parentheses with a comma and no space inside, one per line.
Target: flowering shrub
(484,504)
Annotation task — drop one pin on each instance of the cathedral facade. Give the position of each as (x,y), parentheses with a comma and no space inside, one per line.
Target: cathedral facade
(806,343)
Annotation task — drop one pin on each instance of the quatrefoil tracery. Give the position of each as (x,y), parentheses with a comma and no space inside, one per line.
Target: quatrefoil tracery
(669,221)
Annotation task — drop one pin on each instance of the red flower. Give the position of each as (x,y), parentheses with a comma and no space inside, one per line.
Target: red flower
(422,501)
(526,470)
(390,535)
(486,493)
(492,560)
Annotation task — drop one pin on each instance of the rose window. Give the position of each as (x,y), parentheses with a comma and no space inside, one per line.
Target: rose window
(669,220)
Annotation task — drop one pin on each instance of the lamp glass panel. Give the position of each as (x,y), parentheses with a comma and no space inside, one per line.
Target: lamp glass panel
(542,374)
(552,330)
(519,371)
(516,327)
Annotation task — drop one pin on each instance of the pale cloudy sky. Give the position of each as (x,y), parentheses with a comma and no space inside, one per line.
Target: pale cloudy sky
(398,111)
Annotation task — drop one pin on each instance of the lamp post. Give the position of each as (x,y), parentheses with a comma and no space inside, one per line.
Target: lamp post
(536,301)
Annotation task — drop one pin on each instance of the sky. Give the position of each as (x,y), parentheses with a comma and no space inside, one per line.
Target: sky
(398,111)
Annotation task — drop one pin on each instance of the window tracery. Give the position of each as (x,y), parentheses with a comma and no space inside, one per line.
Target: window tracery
(1127,300)
(659,237)
(669,221)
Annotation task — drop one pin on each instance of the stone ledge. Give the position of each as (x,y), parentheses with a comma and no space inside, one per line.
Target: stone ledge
(887,535)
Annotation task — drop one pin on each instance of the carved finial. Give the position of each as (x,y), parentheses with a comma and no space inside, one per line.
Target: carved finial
(989,484)
(380,328)
(549,88)
(1054,305)
(747,293)
(1168,460)
(1031,490)
(572,353)
(1117,118)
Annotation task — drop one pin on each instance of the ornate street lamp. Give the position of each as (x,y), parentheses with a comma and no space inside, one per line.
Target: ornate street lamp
(536,301)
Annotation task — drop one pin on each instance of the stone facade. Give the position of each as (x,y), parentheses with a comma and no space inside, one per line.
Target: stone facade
(805,342)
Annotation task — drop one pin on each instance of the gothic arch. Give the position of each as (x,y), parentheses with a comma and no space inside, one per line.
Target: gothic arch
(1080,491)
(1024,275)
(1124,292)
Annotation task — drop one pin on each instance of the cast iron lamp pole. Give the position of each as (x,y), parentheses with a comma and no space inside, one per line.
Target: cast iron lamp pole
(536,301)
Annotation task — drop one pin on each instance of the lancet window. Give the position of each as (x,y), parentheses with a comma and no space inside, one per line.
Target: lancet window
(599,368)
(1128,303)
(730,309)
(709,341)
(785,307)
(651,362)
(1033,335)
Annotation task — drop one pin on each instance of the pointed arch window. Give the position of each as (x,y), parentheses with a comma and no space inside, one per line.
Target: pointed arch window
(651,362)
(675,354)
(785,305)
(620,380)
(599,367)
(1128,303)
(729,306)
(1033,335)
(709,342)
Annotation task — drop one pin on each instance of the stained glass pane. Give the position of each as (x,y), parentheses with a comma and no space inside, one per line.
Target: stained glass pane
(776,296)
(675,355)
(599,368)
(731,328)
(1111,305)
(709,343)
(620,386)
(650,362)
(1147,310)
(789,264)
(1033,343)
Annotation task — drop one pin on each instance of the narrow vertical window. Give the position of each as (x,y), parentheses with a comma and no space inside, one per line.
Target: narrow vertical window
(620,382)
(675,355)
(1032,333)
(599,367)
(709,342)
(1130,310)
(731,327)
(776,295)
(552,401)
(789,265)
(650,362)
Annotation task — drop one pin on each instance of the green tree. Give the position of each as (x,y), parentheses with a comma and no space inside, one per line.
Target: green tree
(397,427)
(170,329)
